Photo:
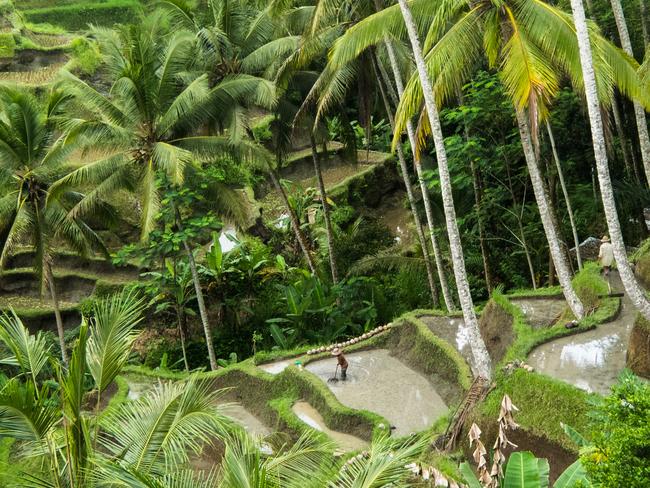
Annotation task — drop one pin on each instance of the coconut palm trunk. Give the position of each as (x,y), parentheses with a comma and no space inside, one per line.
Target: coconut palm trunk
(550,228)
(565,192)
(630,166)
(326,209)
(428,209)
(295,224)
(634,291)
(644,23)
(479,351)
(383,86)
(202,310)
(639,111)
(49,279)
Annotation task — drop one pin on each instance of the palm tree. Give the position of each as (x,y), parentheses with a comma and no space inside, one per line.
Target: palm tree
(236,39)
(639,111)
(32,158)
(634,291)
(149,440)
(514,37)
(151,121)
(479,351)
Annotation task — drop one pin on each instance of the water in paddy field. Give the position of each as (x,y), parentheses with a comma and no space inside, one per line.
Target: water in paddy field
(591,360)
(540,312)
(247,420)
(381,383)
(309,415)
(277,367)
(453,330)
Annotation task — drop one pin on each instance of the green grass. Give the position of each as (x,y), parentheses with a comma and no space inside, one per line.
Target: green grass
(544,403)
(7,45)
(77,16)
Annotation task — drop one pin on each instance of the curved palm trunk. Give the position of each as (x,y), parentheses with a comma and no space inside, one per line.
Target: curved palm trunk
(639,112)
(326,209)
(295,224)
(49,278)
(383,82)
(550,229)
(634,291)
(202,310)
(479,351)
(442,277)
(565,192)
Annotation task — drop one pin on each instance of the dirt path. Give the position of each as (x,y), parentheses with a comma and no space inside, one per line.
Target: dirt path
(592,360)
(381,383)
(309,415)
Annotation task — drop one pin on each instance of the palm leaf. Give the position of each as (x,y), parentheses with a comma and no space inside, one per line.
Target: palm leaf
(29,352)
(112,333)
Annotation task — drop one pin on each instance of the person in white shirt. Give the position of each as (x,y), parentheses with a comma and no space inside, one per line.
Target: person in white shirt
(606,255)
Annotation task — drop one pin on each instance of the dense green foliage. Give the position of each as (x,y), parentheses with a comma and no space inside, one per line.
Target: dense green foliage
(620,437)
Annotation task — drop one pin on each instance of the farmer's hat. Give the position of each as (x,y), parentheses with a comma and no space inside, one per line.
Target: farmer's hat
(336,351)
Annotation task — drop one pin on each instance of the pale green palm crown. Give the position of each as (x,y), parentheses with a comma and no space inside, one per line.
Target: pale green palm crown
(157,117)
(32,159)
(531,43)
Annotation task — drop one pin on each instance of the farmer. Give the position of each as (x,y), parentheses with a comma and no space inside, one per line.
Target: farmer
(341,361)
(606,255)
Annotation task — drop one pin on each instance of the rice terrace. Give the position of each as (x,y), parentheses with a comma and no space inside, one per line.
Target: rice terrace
(324,244)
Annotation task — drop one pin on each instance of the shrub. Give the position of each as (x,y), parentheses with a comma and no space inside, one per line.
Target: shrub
(78,16)
(86,57)
(589,285)
(7,45)
(621,437)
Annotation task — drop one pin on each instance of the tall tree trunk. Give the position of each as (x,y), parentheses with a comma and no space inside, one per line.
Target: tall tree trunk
(565,192)
(180,318)
(550,229)
(326,209)
(49,278)
(639,111)
(644,23)
(295,224)
(383,86)
(202,310)
(479,351)
(618,122)
(428,209)
(634,291)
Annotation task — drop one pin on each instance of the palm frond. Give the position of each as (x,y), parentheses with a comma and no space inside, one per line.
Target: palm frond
(112,333)
(29,352)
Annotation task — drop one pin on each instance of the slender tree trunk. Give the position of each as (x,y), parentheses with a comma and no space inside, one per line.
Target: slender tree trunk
(383,84)
(326,209)
(295,224)
(644,23)
(618,122)
(639,111)
(565,192)
(180,321)
(202,310)
(428,209)
(479,351)
(634,291)
(478,197)
(49,278)
(550,229)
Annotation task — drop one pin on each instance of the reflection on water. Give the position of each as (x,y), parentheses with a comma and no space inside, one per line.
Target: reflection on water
(591,360)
